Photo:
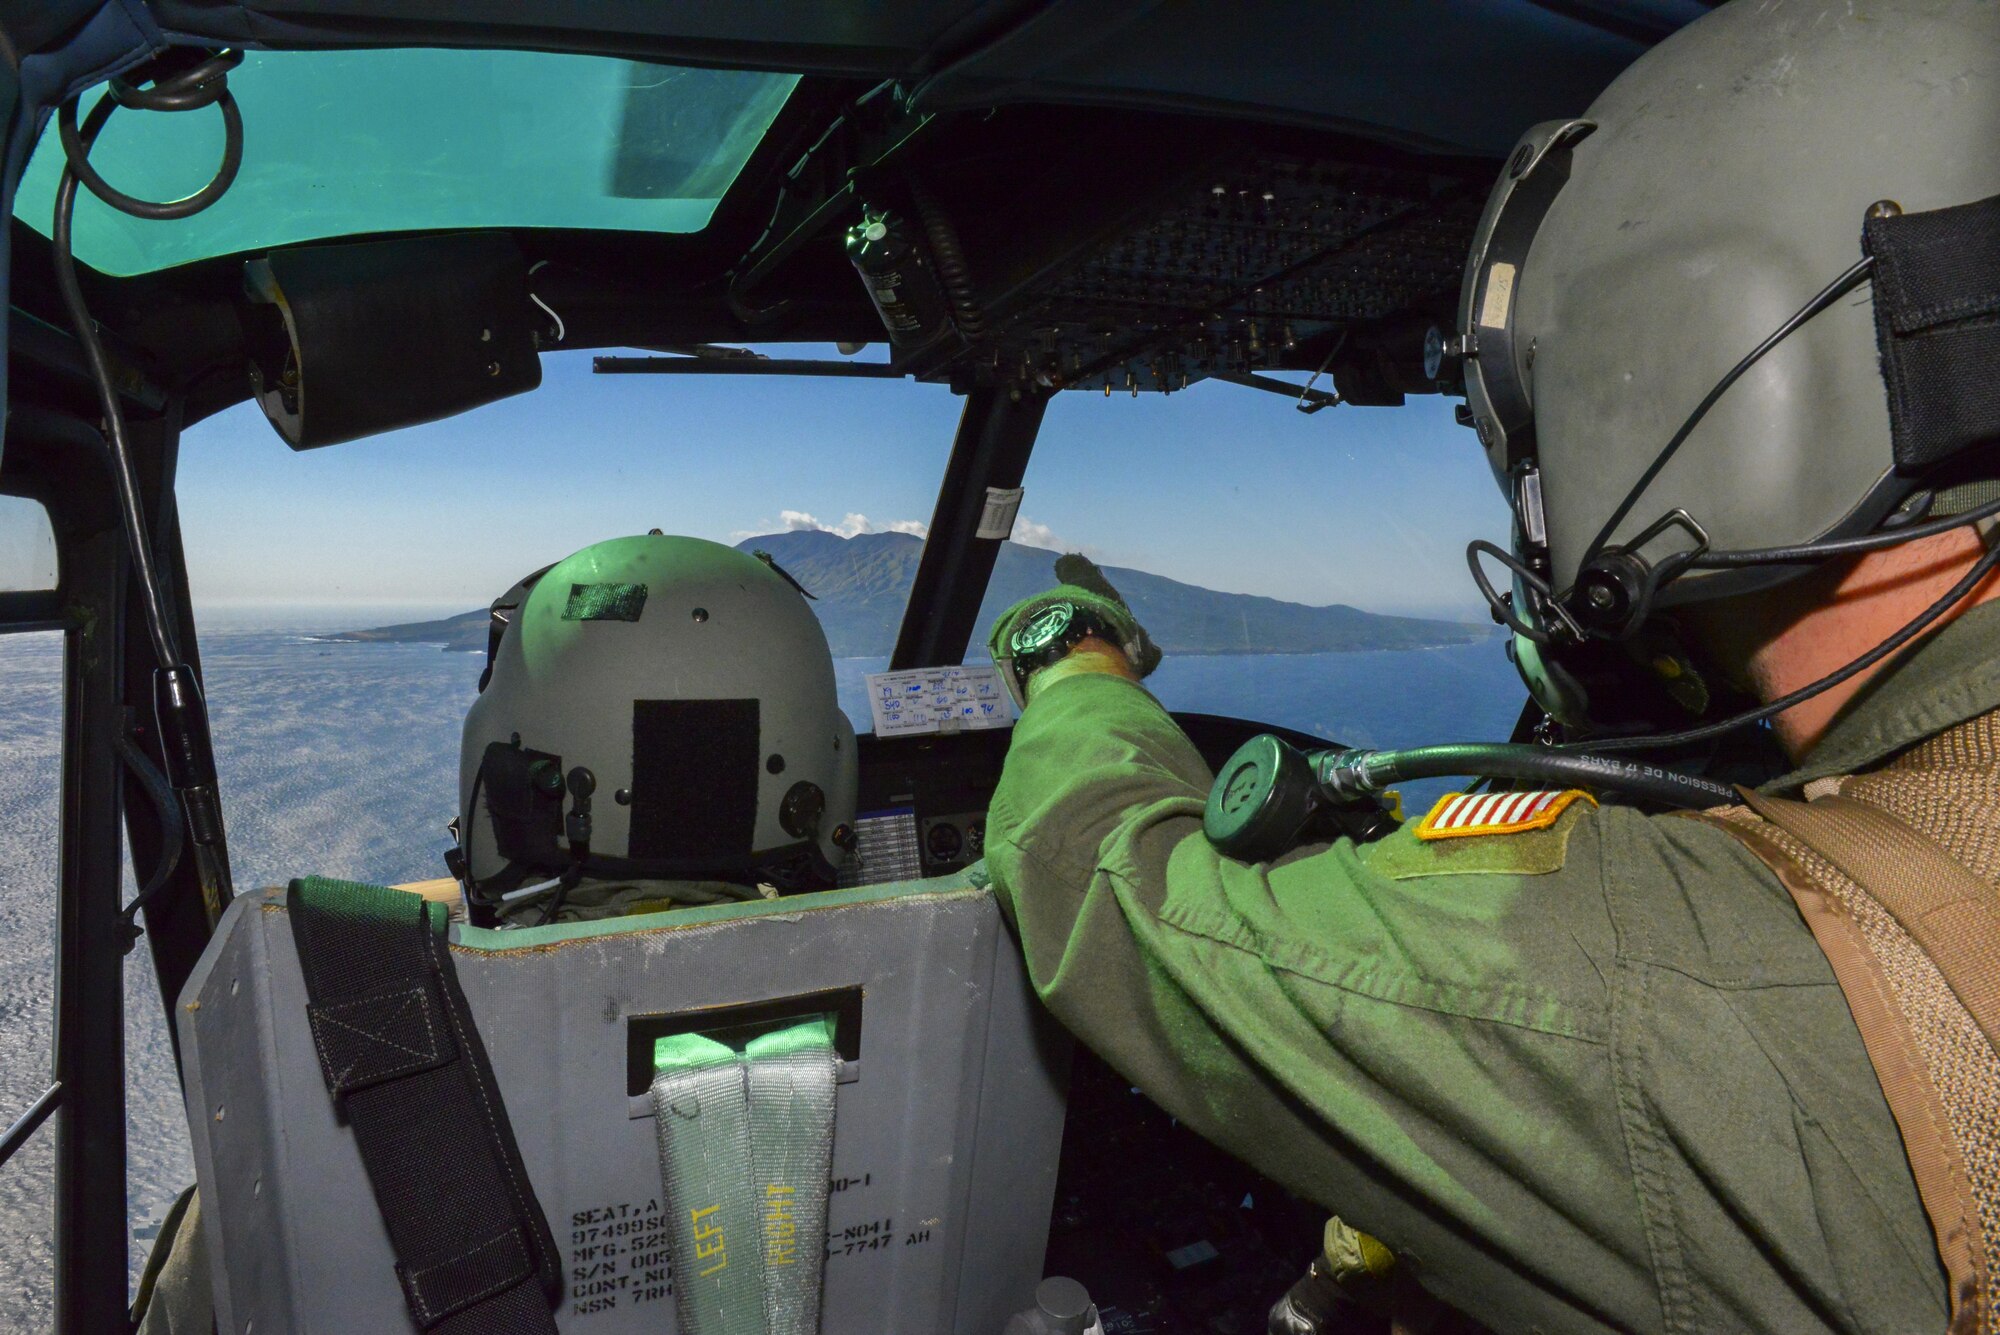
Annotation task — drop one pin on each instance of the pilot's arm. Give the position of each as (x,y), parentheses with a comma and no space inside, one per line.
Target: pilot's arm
(1568,1074)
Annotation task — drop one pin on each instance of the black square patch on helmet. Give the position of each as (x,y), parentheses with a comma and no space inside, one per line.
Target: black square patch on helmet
(1937,322)
(694,780)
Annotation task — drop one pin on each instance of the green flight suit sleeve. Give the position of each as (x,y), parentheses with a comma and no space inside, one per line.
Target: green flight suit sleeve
(1443,1053)
(1339,1030)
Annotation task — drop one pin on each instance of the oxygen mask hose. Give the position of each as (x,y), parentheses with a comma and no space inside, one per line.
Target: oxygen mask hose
(175,84)
(1264,795)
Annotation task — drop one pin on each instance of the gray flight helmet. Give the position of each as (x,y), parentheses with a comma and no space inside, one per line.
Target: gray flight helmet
(659,708)
(1628,259)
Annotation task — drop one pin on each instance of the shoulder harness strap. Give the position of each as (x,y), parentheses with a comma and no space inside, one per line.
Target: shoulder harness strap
(407,1071)
(1949,911)
(1951,915)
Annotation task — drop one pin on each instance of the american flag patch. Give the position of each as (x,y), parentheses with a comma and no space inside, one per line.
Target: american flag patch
(1460,814)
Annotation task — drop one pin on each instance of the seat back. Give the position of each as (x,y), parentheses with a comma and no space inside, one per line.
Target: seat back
(948,1115)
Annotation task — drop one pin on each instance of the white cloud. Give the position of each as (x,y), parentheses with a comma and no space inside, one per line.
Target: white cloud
(1029,533)
(852,525)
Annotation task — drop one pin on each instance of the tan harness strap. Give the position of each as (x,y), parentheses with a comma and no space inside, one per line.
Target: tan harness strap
(1935,1162)
(1941,903)
(1857,849)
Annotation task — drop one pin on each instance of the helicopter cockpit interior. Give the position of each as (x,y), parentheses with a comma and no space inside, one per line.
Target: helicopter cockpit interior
(1018,198)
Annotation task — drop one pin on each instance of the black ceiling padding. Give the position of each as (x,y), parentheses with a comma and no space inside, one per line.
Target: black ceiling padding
(1440,74)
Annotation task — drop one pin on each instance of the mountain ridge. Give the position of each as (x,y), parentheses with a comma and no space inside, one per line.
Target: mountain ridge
(862,583)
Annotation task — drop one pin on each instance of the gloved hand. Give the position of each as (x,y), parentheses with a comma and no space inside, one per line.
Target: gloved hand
(1082,583)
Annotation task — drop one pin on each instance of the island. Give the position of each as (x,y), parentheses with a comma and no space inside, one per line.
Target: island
(861,584)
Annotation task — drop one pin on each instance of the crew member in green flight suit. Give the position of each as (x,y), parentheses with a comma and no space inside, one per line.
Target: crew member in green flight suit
(1593,1069)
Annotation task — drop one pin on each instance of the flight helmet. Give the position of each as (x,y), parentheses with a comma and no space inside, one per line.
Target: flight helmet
(655,708)
(1814,178)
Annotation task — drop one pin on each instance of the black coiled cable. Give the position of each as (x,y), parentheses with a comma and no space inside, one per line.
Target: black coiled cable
(206,84)
(948,254)
(203,85)
(181,713)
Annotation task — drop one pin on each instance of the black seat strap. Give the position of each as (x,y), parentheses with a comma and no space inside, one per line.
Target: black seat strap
(404,1064)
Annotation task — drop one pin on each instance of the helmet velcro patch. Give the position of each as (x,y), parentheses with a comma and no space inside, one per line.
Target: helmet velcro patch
(1458,815)
(605,602)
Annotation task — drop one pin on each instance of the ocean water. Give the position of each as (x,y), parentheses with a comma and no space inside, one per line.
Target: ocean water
(341,760)
(1402,697)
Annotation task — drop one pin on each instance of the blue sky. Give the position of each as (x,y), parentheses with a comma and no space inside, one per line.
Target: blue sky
(1216,485)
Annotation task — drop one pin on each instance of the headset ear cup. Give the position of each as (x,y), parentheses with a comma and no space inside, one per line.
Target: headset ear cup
(1561,696)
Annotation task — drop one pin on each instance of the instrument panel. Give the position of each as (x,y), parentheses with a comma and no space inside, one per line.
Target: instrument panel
(922,805)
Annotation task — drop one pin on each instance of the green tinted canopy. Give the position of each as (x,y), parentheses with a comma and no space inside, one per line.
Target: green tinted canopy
(340,143)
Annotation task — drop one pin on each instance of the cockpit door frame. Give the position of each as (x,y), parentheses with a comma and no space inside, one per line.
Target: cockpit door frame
(58,456)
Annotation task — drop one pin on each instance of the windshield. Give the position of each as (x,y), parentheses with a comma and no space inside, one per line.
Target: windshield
(342,593)
(1303,570)
(341,143)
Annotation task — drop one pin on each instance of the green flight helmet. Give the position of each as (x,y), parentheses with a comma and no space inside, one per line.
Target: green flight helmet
(1628,260)
(656,708)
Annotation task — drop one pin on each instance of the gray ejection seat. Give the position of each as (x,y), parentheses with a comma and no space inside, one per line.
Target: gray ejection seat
(947,1127)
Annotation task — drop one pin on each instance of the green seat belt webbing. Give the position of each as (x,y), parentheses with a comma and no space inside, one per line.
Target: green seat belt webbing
(699,1102)
(791,1079)
(746,1144)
